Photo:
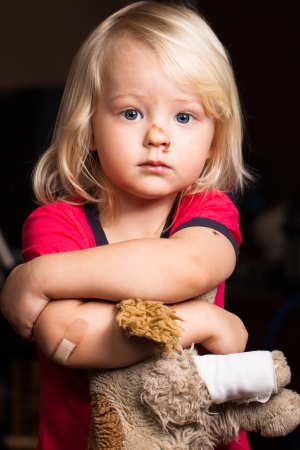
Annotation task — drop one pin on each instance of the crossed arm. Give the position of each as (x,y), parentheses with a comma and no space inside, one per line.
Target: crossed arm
(172,270)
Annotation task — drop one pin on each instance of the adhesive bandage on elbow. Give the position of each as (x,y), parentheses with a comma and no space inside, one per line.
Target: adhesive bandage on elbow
(248,376)
(69,341)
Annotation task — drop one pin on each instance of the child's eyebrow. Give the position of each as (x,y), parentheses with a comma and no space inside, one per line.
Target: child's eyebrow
(188,100)
(143,97)
(120,96)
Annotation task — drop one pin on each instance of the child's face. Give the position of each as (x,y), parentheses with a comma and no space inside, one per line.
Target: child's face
(151,132)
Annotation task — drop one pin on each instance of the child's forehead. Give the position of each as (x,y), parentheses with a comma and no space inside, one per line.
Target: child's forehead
(134,51)
(128,47)
(131,48)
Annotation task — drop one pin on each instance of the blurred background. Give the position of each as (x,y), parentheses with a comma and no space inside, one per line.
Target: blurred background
(38,40)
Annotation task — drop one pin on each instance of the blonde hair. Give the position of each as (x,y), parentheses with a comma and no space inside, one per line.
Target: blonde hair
(190,51)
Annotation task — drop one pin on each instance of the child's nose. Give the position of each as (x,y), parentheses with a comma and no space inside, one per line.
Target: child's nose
(157,137)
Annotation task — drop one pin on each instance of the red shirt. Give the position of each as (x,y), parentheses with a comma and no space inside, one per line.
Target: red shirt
(60,227)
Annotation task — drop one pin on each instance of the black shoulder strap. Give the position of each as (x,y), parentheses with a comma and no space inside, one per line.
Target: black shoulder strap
(167,226)
(92,216)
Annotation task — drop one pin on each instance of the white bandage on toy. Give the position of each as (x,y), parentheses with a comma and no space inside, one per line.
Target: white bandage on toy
(248,376)
(69,341)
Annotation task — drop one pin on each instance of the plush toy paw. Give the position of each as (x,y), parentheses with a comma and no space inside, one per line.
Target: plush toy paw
(279,416)
(285,416)
(282,370)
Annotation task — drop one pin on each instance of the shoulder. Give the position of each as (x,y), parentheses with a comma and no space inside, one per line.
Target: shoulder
(55,227)
(210,204)
(57,213)
(212,209)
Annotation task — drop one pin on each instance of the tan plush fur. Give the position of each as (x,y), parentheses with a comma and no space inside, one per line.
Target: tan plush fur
(151,320)
(162,404)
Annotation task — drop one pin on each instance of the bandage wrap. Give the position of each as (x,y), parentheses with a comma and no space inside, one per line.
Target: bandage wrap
(249,376)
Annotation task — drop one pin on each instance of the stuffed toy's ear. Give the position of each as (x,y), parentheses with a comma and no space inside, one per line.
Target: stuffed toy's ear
(151,320)
(154,320)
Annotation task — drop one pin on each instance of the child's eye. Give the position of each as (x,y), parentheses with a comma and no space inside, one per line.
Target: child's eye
(131,114)
(184,118)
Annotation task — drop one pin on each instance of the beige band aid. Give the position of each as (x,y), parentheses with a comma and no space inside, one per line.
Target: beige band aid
(69,341)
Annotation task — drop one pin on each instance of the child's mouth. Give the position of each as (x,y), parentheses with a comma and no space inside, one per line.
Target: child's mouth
(154,166)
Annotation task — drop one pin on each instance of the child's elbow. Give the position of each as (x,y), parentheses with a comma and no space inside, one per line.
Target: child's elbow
(47,334)
(242,340)
(54,348)
(44,340)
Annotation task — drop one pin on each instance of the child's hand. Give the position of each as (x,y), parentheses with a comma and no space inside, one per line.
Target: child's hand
(227,333)
(22,300)
(217,330)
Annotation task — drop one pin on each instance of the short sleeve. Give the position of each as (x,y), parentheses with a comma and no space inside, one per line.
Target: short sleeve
(211,209)
(54,228)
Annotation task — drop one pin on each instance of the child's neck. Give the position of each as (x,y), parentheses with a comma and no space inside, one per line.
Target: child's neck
(138,219)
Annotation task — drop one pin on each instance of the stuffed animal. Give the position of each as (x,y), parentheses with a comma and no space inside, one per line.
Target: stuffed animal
(163,404)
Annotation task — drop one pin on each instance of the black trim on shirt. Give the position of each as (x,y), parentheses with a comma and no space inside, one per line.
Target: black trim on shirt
(91,212)
(167,226)
(92,216)
(210,223)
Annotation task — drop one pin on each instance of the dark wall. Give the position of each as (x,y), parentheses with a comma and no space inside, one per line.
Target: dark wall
(262,38)
(38,39)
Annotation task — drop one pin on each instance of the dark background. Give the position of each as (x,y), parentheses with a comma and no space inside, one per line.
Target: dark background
(38,40)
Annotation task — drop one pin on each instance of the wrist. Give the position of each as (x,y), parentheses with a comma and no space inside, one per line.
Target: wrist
(213,323)
(200,320)
(219,330)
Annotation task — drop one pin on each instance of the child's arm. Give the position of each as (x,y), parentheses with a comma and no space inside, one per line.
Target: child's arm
(102,344)
(189,263)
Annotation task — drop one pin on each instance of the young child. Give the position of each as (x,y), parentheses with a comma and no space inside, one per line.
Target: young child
(147,142)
